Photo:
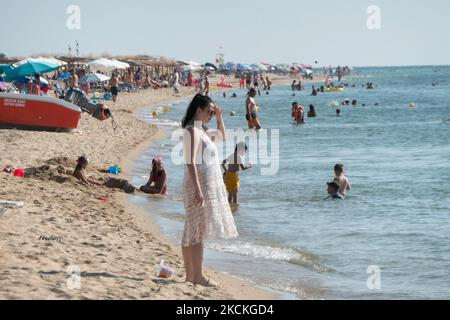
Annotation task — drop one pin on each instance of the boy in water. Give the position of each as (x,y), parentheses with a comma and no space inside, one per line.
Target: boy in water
(232,165)
(341,179)
(333,191)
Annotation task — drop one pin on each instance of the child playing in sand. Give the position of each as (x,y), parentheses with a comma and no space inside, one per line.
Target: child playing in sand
(341,179)
(110,182)
(80,174)
(235,165)
(158,176)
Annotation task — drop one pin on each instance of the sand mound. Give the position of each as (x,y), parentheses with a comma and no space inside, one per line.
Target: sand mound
(58,169)
(48,172)
(62,161)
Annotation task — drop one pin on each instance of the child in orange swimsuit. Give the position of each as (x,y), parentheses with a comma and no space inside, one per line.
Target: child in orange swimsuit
(232,165)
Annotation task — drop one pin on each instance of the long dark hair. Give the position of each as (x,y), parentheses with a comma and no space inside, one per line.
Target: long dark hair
(199,101)
(154,172)
(81,160)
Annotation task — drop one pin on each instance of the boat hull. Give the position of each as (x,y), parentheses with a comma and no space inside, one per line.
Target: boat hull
(37,112)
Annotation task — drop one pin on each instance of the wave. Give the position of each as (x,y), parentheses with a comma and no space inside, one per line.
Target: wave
(161,122)
(289,255)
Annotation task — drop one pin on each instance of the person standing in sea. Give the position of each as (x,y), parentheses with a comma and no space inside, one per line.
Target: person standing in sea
(251,110)
(208,213)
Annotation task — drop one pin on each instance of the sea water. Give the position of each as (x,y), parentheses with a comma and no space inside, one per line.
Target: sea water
(390,239)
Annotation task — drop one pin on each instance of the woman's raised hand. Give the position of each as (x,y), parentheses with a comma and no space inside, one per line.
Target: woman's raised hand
(217,111)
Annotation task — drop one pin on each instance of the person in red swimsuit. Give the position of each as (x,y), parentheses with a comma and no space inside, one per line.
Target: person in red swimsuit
(298,113)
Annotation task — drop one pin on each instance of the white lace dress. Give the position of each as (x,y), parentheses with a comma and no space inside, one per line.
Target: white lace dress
(214,221)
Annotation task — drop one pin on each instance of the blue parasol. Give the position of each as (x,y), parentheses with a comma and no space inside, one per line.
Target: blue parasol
(4,68)
(30,69)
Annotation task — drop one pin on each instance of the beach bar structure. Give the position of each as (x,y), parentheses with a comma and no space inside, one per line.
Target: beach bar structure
(155,67)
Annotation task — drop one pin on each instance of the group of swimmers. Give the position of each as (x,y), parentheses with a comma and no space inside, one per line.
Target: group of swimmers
(337,188)
(297,86)
(298,113)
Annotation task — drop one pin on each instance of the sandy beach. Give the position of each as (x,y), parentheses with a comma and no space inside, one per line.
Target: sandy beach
(64,233)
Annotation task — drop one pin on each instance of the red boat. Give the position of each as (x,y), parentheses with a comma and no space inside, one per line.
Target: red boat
(37,112)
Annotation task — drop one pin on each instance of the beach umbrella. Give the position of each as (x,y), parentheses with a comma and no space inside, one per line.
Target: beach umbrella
(65,76)
(30,69)
(195,66)
(107,64)
(211,65)
(4,68)
(120,64)
(25,80)
(269,66)
(229,66)
(244,67)
(185,69)
(259,67)
(94,78)
(42,60)
(306,66)
(192,65)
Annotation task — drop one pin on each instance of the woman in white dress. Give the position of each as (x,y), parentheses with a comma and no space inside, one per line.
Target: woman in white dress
(208,213)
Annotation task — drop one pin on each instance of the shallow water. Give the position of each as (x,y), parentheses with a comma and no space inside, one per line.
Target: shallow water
(395,217)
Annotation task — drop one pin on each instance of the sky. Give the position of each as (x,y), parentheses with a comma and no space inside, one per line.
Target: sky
(276,31)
